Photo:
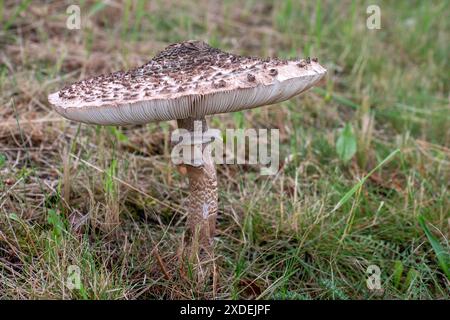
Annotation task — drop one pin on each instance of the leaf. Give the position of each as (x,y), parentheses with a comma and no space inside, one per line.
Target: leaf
(411,277)
(55,220)
(120,136)
(441,254)
(14,217)
(398,271)
(346,143)
(2,160)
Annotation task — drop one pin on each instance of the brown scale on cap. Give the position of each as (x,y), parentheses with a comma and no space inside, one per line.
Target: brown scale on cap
(302,64)
(219,84)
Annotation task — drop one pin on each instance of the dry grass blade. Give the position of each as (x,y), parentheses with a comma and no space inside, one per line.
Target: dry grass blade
(128,185)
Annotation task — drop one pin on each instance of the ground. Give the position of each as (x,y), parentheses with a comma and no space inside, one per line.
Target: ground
(364,168)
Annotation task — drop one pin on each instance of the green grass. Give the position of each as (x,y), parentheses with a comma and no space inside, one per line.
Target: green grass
(108,201)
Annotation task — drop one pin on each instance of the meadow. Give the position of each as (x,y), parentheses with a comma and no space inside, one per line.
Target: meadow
(365,156)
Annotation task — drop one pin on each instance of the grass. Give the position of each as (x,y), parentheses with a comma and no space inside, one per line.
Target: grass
(309,232)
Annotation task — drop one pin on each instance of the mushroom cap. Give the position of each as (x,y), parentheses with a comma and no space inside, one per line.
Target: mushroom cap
(187,79)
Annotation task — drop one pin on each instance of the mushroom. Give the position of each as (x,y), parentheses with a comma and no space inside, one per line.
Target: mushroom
(186,82)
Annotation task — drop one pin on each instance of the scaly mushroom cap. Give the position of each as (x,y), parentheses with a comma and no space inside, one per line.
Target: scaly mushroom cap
(188,79)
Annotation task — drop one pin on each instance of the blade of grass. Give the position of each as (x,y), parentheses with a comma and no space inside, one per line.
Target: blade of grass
(96,7)
(339,99)
(441,254)
(20,8)
(352,191)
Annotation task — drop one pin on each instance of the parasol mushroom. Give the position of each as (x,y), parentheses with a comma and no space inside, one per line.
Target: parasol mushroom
(186,82)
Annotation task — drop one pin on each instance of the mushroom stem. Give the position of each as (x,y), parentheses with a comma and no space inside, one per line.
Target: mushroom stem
(202,202)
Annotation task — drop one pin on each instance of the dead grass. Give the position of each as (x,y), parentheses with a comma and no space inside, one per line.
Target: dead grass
(65,186)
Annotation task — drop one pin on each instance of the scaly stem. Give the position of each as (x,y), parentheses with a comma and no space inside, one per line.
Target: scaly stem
(203,196)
